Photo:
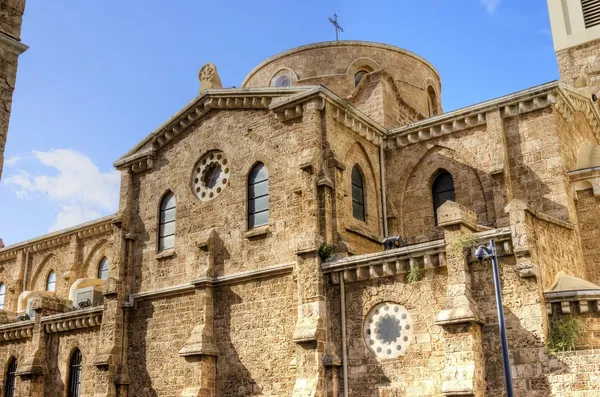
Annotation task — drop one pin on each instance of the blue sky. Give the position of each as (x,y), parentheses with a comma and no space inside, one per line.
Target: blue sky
(100,75)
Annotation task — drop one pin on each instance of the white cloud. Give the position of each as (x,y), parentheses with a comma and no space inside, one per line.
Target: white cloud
(12,160)
(491,5)
(80,190)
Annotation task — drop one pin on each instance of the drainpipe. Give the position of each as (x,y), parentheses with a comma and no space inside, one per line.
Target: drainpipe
(344,352)
(383,197)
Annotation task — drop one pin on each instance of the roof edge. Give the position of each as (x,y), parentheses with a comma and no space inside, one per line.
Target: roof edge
(342,43)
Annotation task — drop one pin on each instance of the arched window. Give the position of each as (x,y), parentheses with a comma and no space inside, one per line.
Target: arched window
(51,281)
(103,269)
(442,190)
(166,233)
(75,374)
(432,101)
(2,294)
(358,194)
(359,76)
(258,196)
(11,378)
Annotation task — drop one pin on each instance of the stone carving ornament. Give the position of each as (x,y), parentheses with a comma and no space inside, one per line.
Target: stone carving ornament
(209,78)
(210,175)
(388,330)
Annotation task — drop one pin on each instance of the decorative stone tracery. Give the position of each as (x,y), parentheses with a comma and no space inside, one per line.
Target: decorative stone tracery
(388,330)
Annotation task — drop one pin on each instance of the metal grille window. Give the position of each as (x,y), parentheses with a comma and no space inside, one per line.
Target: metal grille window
(11,378)
(166,234)
(442,190)
(2,295)
(75,374)
(591,12)
(258,196)
(103,269)
(51,281)
(358,194)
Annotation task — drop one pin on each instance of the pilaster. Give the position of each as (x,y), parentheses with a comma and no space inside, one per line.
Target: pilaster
(464,373)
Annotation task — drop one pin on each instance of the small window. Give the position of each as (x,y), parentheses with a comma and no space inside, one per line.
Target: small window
(75,374)
(432,102)
(11,378)
(442,190)
(2,295)
(358,194)
(166,233)
(258,196)
(51,281)
(283,80)
(103,269)
(359,76)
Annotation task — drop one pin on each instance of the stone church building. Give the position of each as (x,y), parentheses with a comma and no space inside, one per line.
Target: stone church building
(247,259)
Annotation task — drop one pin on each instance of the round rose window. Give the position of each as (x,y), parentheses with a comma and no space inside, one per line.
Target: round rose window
(388,330)
(210,175)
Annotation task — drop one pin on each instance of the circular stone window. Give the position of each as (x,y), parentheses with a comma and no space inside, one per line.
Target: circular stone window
(210,175)
(388,330)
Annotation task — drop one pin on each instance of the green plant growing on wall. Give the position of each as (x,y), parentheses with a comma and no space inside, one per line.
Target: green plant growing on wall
(325,251)
(563,332)
(464,242)
(415,274)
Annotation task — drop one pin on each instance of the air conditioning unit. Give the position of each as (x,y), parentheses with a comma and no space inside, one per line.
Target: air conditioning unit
(30,312)
(88,297)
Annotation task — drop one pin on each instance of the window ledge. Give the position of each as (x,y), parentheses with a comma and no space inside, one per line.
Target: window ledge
(257,232)
(165,254)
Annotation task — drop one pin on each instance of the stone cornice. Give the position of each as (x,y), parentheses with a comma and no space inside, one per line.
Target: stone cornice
(286,103)
(564,302)
(74,320)
(16,330)
(242,277)
(472,116)
(12,44)
(61,237)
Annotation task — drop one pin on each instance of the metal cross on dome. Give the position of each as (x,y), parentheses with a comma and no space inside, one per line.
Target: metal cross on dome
(338,28)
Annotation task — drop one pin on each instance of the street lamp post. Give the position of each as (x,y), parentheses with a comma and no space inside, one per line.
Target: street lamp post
(482,253)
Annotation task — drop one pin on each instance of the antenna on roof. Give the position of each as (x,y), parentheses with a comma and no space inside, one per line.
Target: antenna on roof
(338,28)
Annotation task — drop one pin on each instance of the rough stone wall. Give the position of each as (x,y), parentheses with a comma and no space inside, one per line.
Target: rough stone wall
(7,352)
(157,330)
(571,61)
(350,149)
(11,13)
(245,138)
(313,65)
(589,336)
(419,371)
(254,324)
(574,373)
(71,259)
(411,170)
(59,348)
(588,214)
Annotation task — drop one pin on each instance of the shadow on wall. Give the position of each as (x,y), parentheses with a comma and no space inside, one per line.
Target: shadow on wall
(527,160)
(233,378)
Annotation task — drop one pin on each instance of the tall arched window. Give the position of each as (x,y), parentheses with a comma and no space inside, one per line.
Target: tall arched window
(258,196)
(51,281)
(103,269)
(358,194)
(432,102)
(74,374)
(166,233)
(10,380)
(442,190)
(2,295)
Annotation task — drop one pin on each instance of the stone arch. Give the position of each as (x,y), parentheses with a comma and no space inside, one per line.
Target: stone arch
(416,206)
(90,264)
(365,63)
(282,70)
(357,154)
(39,278)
